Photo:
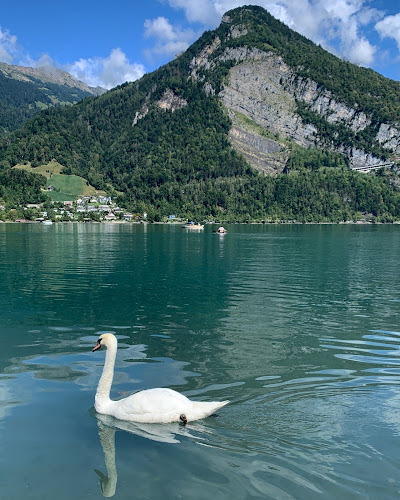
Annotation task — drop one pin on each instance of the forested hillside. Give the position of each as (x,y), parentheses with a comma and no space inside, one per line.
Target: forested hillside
(24,92)
(162,143)
(19,187)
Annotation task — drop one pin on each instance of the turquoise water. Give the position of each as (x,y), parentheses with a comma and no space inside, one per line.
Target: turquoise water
(297,325)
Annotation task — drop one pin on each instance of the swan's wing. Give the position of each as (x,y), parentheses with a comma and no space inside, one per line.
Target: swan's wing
(153,401)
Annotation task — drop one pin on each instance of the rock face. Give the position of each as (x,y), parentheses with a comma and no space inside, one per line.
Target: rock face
(256,89)
(140,114)
(264,154)
(264,89)
(171,101)
(201,61)
(389,137)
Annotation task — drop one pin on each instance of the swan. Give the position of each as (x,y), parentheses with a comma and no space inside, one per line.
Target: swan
(158,405)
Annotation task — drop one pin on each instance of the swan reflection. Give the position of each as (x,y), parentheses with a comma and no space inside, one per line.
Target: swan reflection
(108,483)
(107,427)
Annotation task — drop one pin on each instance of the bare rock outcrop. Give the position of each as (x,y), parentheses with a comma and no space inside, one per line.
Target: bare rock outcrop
(263,88)
(265,155)
(255,89)
(389,137)
(140,114)
(171,101)
(168,101)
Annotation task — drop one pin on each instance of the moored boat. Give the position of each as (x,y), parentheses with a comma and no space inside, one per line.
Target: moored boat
(192,225)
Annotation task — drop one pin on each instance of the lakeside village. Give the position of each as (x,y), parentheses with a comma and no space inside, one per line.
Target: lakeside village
(103,209)
(84,209)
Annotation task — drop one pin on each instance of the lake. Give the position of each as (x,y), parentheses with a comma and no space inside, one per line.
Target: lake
(298,326)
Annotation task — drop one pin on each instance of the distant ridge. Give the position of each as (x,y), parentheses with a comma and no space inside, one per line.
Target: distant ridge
(47,74)
(25,91)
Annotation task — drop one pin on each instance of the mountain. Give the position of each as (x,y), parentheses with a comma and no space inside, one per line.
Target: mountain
(26,91)
(253,121)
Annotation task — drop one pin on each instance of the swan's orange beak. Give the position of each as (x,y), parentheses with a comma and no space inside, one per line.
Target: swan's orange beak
(98,345)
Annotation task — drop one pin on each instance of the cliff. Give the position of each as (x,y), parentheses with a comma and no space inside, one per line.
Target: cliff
(266,91)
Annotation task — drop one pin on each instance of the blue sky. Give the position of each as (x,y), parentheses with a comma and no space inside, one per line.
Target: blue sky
(106,43)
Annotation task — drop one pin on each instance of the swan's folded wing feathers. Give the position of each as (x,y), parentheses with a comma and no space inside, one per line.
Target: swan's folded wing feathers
(157,401)
(153,405)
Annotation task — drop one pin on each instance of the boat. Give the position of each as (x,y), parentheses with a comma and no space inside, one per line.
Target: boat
(192,225)
(47,222)
(221,230)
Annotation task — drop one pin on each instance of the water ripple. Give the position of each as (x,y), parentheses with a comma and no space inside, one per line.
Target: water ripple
(371,348)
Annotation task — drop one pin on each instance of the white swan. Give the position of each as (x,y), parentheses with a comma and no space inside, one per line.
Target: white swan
(151,406)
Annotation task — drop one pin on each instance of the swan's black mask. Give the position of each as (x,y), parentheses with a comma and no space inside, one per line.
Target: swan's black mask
(98,345)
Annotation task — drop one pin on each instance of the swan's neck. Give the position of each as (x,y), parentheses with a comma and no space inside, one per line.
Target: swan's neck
(104,387)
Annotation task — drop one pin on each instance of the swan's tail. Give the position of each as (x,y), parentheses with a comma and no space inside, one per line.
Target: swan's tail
(219,404)
(203,409)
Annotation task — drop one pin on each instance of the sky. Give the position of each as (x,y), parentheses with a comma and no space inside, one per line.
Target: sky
(106,43)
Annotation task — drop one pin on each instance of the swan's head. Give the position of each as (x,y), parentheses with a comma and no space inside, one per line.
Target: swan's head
(107,339)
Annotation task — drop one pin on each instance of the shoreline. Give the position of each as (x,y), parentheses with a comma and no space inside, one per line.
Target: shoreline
(325,223)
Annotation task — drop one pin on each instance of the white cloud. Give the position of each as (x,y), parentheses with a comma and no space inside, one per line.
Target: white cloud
(44,60)
(362,52)
(389,27)
(8,46)
(170,40)
(345,27)
(106,72)
(369,15)
(206,12)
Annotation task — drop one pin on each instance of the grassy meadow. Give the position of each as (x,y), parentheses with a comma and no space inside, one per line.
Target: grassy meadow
(66,187)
